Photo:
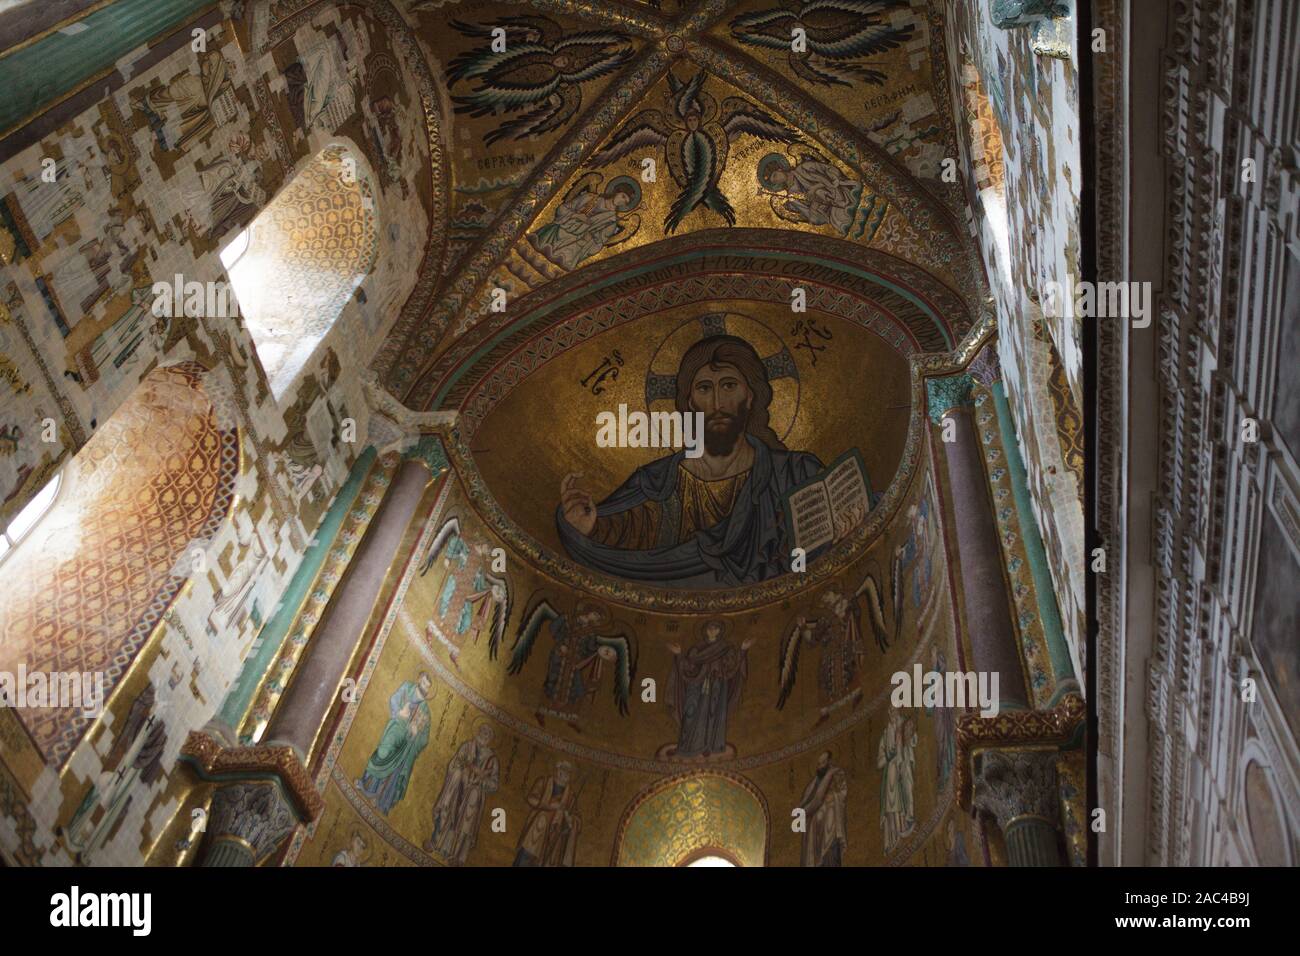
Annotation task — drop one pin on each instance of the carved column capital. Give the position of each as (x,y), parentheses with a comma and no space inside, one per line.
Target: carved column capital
(1019,788)
(1015,785)
(1013,14)
(985,368)
(945,394)
(247,822)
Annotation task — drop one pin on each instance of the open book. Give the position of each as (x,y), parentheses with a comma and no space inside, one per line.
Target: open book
(828,506)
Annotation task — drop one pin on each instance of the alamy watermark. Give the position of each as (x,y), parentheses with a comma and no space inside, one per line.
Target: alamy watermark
(55,689)
(962,689)
(1100,300)
(75,909)
(651,430)
(194,299)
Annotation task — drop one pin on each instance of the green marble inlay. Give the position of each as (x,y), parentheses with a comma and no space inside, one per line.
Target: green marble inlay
(240,697)
(56,64)
(1049,613)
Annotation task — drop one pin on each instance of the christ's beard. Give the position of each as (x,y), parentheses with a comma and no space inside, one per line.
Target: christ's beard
(722,431)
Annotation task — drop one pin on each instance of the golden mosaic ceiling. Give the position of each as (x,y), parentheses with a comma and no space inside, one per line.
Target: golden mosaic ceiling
(582,131)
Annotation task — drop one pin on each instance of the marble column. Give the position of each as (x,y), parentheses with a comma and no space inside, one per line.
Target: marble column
(1019,790)
(314,688)
(993,641)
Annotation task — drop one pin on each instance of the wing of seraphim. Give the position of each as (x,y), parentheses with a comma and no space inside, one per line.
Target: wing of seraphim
(699,165)
(555,111)
(506,82)
(869,591)
(896,593)
(449,528)
(852,39)
(742,117)
(769,28)
(623,644)
(647,128)
(594,54)
(789,664)
(500,615)
(540,614)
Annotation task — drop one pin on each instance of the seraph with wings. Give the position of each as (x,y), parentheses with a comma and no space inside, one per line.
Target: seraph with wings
(586,644)
(837,34)
(538,74)
(695,138)
(486,606)
(837,632)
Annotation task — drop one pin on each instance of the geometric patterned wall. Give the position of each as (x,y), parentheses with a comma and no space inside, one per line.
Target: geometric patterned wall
(679,819)
(84,590)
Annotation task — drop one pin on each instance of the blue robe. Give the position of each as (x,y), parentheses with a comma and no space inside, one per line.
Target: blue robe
(751,544)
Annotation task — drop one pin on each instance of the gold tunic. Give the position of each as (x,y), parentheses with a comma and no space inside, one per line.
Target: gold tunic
(703,503)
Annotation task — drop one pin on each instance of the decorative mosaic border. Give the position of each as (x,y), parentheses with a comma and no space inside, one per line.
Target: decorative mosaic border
(584,289)
(348,539)
(1029,625)
(344,726)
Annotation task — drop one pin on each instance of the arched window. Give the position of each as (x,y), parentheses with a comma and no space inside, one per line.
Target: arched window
(30,515)
(296,266)
(700,818)
(112,541)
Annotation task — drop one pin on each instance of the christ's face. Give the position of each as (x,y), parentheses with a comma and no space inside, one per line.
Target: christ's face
(723,395)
